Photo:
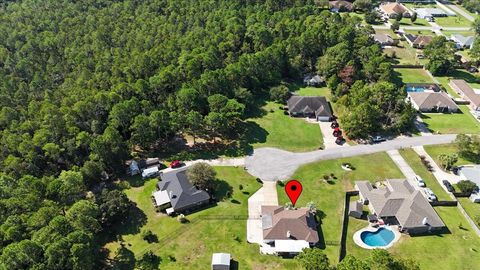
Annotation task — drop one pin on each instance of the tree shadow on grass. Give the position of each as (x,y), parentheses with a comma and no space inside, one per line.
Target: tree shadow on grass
(223,190)
(124,259)
(254,133)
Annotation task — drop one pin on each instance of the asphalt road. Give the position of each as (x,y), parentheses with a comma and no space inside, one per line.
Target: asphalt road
(272,164)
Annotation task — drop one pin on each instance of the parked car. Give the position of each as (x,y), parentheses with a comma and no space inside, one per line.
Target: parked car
(337,132)
(334,124)
(419,181)
(449,186)
(378,138)
(175,164)
(430,195)
(339,140)
(472,70)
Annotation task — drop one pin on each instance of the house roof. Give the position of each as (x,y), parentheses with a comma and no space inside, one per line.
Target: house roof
(299,224)
(341,3)
(181,192)
(401,200)
(431,11)
(422,40)
(310,104)
(463,40)
(467,90)
(471,173)
(393,8)
(221,259)
(429,100)
(383,38)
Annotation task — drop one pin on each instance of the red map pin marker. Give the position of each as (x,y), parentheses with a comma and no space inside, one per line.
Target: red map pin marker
(293,188)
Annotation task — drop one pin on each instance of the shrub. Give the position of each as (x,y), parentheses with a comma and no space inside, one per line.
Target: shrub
(240,187)
(149,236)
(467,186)
(280,183)
(182,219)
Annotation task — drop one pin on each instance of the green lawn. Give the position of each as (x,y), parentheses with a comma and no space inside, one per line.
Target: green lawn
(275,129)
(450,123)
(413,75)
(315,91)
(453,21)
(436,150)
(408,22)
(412,158)
(192,244)
(458,249)
(329,196)
(448,34)
(404,54)
(472,209)
(464,9)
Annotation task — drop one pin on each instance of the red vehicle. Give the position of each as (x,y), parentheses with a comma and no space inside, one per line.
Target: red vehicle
(175,164)
(337,132)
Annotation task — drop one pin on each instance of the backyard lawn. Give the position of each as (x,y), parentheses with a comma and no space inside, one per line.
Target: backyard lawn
(472,209)
(408,22)
(450,123)
(190,245)
(315,91)
(458,249)
(329,195)
(413,75)
(412,158)
(285,132)
(453,21)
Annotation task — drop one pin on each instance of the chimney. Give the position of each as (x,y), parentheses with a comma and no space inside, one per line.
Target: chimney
(289,234)
(170,194)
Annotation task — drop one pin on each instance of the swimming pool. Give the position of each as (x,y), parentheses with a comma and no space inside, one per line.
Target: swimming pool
(415,89)
(380,238)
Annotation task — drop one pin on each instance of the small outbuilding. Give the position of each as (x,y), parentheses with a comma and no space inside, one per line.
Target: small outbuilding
(356,209)
(150,172)
(221,261)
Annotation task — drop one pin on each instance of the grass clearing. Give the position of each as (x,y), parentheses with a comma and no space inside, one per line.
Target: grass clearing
(329,196)
(315,91)
(453,21)
(413,75)
(408,22)
(436,150)
(413,159)
(285,132)
(192,244)
(472,209)
(450,123)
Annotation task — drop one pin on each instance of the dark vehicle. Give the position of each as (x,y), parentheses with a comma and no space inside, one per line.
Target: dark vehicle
(175,164)
(455,170)
(449,186)
(334,124)
(337,132)
(472,70)
(340,140)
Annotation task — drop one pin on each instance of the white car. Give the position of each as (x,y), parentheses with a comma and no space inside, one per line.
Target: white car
(419,181)
(430,195)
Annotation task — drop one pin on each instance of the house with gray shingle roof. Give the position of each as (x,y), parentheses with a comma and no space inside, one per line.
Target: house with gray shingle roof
(288,231)
(310,106)
(466,92)
(463,42)
(432,102)
(400,203)
(176,194)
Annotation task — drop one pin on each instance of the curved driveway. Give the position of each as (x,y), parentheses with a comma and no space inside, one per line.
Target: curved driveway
(271,164)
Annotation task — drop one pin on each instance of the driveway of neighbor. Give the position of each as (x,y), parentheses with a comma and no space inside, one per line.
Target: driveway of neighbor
(272,164)
(266,195)
(421,126)
(436,170)
(328,138)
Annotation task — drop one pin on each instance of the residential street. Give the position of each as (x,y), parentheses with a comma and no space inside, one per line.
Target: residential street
(271,164)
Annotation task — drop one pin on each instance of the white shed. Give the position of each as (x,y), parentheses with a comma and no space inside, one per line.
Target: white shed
(150,172)
(221,261)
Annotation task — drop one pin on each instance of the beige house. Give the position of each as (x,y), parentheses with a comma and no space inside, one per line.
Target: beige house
(432,102)
(399,203)
(393,9)
(466,92)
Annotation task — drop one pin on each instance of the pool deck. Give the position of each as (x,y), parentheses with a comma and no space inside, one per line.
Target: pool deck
(358,240)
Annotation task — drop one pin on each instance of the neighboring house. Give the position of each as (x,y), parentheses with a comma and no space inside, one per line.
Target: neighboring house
(432,102)
(150,172)
(470,172)
(419,41)
(340,6)
(463,42)
(466,92)
(313,80)
(221,261)
(176,194)
(383,39)
(399,203)
(288,232)
(355,209)
(430,13)
(310,106)
(391,10)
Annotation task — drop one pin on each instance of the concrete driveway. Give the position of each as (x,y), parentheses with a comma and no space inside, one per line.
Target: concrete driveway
(403,166)
(266,195)
(328,138)
(272,164)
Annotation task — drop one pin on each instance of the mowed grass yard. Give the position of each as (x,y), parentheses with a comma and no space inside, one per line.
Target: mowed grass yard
(413,75)
(329,196)
(436,150)
(451,123)
(453,21)
(285,132)
(413,159)
(192,244)
(315,91)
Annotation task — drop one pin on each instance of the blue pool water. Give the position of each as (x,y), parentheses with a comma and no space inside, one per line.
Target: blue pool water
(380,238)
(415,89)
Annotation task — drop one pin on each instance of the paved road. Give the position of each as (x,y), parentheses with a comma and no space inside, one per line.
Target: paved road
(461,12)
(272,164)
(428,28)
